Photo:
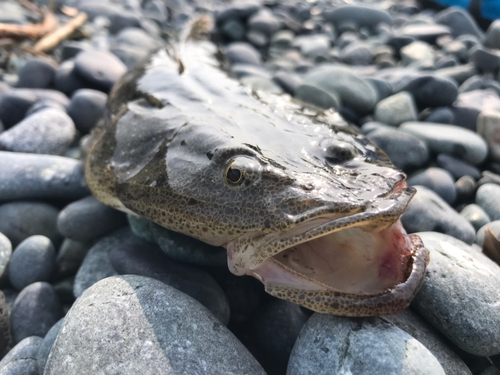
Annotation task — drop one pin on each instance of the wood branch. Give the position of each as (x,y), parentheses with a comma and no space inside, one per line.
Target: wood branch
(34,31)
(50,41)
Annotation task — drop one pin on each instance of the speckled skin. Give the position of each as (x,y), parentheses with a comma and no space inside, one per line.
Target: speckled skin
(168,139)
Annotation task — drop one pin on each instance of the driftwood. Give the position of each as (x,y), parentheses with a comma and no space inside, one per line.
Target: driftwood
(34,31)
(50,41)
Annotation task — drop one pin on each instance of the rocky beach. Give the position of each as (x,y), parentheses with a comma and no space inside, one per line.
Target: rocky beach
(87,289)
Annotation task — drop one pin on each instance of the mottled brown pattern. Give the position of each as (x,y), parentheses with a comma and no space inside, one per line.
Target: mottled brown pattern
(169,138)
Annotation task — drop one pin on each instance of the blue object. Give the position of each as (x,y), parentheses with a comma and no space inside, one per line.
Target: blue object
(490,9)
(458,3)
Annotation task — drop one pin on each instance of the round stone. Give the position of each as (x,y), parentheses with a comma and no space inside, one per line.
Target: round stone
(14,104)
(243,53)
(459,21)
(88,219)
(337,345)
(456,167)
(427,211)
(396,109)
(428,90)
(492,39)
(488,126)
(20,220)
(458,293)
(36,310)
(50,131)
(475,215)
(28,176)
(449,139)
(441,115)
(46,345)
(70,256)
(33,260)
(438,180)
(488,197)
(100,68)
(357,16)
(21,360)
(36,72)
(264,21)
(67,80)
(418,53)
(317,97)
(180,337)
(5,254)
(406,151)
(86,108)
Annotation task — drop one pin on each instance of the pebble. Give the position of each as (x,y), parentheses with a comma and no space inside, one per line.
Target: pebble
(289,82)
(485,60)
(425,32)
(49,131)
(488,126)
(479,100)
(67,80)
(36,72)
(449,139)
(337,345)
(44,104)
(466,188)
(383,88)
(28,176)
(182,337)
(46,346)
(356,53)
(86,108)
(137,257)
(136,37)
(438,180)
(33,260)
(317,97)
(356,16)
(475,215)
(459,74)
(396,109)
(479,83)
(88,219)
(21,360)
(20,220)
(456,167)
(234,30)
(419,53)
(14,104)
(494,226)
(418,328)
(243,53)
(459,293)
(264,21)
(406,151)
(5,335)
(274,330)
(429,90)
(492,38)
(427,211)
(70,256)
(441,115)
(491,371)
(187,249)
(5,254)
(36,309)
(488,197)
(354,92)
(96,264)
(459,21)
(102,69)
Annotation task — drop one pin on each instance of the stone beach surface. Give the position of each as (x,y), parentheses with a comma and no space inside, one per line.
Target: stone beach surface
(86,289)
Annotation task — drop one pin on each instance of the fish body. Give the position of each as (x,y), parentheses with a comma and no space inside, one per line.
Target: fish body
(298,198)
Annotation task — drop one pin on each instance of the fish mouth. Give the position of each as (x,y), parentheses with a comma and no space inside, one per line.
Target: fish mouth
(359,265)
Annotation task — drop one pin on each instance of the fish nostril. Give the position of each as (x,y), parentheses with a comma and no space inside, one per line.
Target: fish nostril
(340,152)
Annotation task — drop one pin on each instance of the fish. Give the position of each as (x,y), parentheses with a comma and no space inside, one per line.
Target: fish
(299,199)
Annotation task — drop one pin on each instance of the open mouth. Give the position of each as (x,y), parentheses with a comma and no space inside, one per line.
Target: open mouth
(357,267)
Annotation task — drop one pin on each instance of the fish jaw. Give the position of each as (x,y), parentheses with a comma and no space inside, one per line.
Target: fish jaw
(350,272)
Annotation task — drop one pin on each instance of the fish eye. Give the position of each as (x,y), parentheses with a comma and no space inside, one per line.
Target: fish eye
(241,171)
(234,175)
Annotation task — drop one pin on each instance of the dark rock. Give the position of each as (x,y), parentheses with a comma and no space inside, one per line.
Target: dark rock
(46,345)
(36,310)
(36,72)
(102,69)
(458,293)
(67,80)
(479,83)
(459,21)
(86,108)
(356,53)
(21,360)
(33,260)
(466,188)
(449,139)
(485,60)
(88,219)
(28,176)
(317,97)
(457,167)
(50,131)
(71,48)
(98,342)
(406,151)
(20,220)
(475,215)
(288,81)
(264,21)
(492,39)
(356,16)
(137,257)
(337,345)
(429,90)
(488,197)
(14,104)
(234,30)
(70,257)
(440,115)
(427,211)
(383,88)
(438,180)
